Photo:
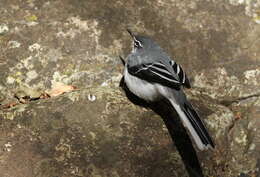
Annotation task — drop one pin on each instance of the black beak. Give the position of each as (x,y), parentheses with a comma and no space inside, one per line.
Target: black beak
(122,60)
(130,32)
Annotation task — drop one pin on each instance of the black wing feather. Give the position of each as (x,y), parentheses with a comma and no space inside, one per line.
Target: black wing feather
(182,76)
(156,73)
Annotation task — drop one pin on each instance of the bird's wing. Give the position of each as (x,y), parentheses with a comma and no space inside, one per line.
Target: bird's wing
(183,79)
(155,72)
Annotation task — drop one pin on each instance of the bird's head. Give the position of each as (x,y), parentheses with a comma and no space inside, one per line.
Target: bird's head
(142,43)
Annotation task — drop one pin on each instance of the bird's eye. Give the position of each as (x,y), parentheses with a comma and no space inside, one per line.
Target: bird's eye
(137,44)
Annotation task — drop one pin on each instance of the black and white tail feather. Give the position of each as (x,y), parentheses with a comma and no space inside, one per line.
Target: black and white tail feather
(192,122)
(156,76)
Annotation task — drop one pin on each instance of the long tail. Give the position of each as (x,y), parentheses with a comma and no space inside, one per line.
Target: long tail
(179,136)
(193,123)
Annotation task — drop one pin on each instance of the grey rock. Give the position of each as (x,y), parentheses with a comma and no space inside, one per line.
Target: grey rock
(95,131)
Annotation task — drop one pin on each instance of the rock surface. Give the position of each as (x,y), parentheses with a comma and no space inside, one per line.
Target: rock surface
(95,131)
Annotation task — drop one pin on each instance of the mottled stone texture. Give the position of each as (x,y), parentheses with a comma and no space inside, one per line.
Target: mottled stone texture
(77,42)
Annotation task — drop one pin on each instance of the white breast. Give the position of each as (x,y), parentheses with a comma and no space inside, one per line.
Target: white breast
(141,88)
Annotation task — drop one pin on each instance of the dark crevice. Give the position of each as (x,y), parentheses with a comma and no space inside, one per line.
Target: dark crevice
(227,103)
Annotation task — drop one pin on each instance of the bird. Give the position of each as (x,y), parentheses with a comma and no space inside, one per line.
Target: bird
(150,75)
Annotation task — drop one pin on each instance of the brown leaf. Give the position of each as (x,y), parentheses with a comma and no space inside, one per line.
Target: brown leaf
(44,96)
(238,116)
(59,89)
(9,105)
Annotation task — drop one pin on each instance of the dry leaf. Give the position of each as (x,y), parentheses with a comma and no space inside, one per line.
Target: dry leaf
(44,96)
(59,89)
(28,94)
(9,105)
(238,116)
